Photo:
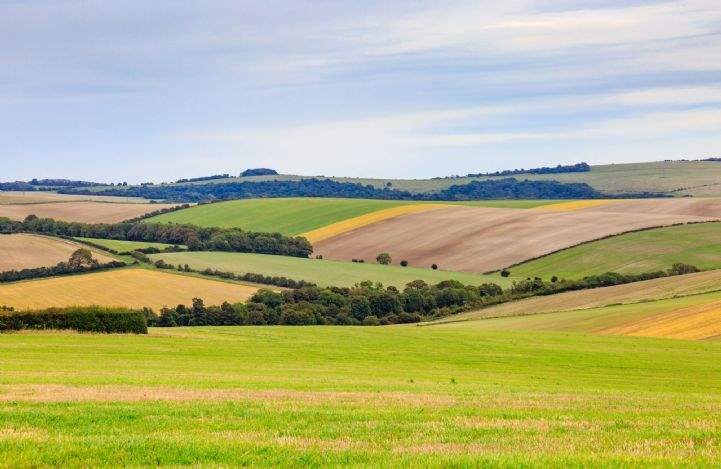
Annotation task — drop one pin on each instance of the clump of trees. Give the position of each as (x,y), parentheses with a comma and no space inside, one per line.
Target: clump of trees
(258,172)
(364,304)
(384,258)
(80,261)
(194,237)
(78,318)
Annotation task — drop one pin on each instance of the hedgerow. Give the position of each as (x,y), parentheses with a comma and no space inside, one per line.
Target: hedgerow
(77,318)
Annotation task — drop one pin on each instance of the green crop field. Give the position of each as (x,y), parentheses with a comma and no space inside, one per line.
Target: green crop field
(293,216)
(321,272)
(643,251)
(330,396)
(124,246)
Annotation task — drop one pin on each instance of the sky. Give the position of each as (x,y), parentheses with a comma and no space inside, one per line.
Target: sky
(155,91)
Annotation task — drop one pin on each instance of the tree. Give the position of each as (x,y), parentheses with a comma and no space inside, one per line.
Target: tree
(404,263)
(505,273)
(82,258)
(434,266)
(384,258)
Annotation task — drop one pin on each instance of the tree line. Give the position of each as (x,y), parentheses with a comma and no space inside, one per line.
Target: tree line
(78,318)
(80,261)
(194,237)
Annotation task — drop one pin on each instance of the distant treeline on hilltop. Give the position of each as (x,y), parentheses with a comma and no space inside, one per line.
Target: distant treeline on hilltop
(507,188)
(45,185)
(573,168)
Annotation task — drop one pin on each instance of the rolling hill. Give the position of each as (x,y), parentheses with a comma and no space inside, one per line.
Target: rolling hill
(25,251)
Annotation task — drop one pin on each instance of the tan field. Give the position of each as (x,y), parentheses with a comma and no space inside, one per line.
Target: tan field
(659,288)
(87,212)
(134,288)
(34,197)
(24,251)
(481,239)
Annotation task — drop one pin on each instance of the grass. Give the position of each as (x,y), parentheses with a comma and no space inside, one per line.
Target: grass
(124,246)
(321,272)
(134,288)
(294,216)
(642,251)
(331,396)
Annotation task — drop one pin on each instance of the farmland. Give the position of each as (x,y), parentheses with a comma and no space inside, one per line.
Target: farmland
(660,288)
(35,197)
(480,239)
(321,272)
(644,251)
(690,317)
(296,216)
(135,288)
(88,212)
(124,246)
(23,251)
(393,396)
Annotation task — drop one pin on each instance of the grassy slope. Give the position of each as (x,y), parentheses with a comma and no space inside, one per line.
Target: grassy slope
(123,246)
(365,396)
(293,216)
(322,272)
(701,178)
(693,316)
(643,251)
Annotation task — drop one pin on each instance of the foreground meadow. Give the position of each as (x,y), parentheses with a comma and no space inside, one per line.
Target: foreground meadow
(324,396)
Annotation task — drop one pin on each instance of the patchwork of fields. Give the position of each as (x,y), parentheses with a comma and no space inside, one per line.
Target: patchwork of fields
(23,251)
(134,288)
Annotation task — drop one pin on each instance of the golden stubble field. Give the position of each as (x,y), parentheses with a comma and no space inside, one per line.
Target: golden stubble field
(134,288)
(25,251)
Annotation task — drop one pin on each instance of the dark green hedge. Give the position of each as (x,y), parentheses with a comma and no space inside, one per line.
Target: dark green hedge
(78,318)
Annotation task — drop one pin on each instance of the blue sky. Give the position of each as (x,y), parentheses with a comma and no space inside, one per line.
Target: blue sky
(159,90)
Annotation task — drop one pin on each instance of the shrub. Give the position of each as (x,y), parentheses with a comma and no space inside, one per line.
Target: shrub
(554,279)
(505,273)
(384,258)
(78,318)
(434,266)
(404,263)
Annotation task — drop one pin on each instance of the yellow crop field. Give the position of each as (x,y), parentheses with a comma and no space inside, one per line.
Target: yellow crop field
(135,288)
(350,224)
(694,322)
(573,205)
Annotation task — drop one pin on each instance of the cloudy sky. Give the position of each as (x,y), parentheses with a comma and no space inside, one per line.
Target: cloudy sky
(137,90)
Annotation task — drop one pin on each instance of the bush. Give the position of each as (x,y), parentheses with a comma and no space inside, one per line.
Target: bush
(434,266)
(384,258)
(404,263)
(505,273)
(78,318)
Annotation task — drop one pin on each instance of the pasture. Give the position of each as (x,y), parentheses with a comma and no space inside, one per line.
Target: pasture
(133,288)
(321,272)
(24,251)
(87,212)
(643,251)
(124,246)
(330,396)
(480,239)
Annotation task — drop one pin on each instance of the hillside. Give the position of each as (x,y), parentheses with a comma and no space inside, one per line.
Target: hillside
(321,272)
(24,251)
(644,251)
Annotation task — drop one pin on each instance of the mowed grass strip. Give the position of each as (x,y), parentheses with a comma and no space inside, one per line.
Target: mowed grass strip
(332,396)
(124,246)
(25,251)
(321,272)
(691,317)
(642,251)
(350,224)
(134,288)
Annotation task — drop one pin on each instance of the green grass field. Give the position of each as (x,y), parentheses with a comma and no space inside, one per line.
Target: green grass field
(321,272)
(329,396)
(643,251)
(123,246)
(293,216)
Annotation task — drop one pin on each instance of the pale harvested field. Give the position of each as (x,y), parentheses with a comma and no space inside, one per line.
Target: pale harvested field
(134,288)
(695,322)
(17,197)
(659,288)
(87,212)
(24,251)
(702,207)
(350,224)
(481,239)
